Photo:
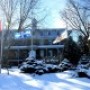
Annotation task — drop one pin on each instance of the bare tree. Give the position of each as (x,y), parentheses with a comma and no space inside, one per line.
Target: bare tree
(26,9)
(8,8)
(19,13)
(77,16)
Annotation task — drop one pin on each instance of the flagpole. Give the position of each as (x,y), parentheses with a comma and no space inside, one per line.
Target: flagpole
(1,56)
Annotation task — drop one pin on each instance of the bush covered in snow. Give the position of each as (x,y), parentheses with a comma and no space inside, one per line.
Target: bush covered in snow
(83,66)
(51,68)
(84,63)
(38,67)
(65,65)
(28,66)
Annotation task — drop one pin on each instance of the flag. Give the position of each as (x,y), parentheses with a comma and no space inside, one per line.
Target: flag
(89,38)
(63,36)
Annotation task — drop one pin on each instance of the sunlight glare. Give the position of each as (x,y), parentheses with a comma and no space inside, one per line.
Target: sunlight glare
(59,23)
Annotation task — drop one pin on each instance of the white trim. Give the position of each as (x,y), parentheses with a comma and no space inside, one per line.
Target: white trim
(35,46)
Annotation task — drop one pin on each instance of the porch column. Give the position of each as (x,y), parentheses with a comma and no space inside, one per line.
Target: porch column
(42,53)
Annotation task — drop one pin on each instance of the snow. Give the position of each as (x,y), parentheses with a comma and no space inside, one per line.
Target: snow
(57,81)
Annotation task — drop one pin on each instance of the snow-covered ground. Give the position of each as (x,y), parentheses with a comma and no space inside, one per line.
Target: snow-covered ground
(56,81)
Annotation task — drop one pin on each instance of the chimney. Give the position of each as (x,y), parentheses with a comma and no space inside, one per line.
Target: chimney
(34,24)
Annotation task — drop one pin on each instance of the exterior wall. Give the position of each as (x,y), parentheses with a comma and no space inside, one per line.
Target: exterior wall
(42,40)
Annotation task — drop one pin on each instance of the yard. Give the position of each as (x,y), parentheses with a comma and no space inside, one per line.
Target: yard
(66,80)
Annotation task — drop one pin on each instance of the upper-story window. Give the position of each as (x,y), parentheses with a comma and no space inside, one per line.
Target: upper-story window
(58,33)
(53,33)
(41,34)
(50,42)
(49,33)
(45,33)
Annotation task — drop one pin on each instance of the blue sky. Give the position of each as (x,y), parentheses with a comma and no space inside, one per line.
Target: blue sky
(53,8)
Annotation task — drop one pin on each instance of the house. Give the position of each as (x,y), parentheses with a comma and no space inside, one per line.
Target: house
(19,44)
(41,41)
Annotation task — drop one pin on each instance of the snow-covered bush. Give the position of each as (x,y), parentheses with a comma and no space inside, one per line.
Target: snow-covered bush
(65,65)
(38,67)
(84,62)
(83,66)
(28,67)
(51,68)
(39,71)
(32,66)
